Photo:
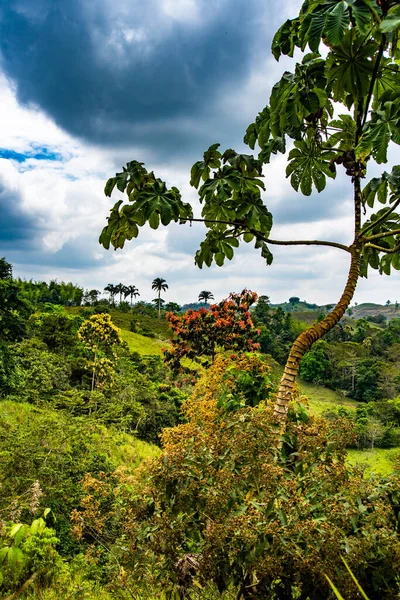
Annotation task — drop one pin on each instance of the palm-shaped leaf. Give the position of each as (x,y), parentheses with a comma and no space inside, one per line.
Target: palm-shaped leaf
(308,165)
(349,68)
(201,169)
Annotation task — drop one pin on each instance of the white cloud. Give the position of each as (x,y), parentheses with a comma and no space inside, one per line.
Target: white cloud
(66,198)
(182,10)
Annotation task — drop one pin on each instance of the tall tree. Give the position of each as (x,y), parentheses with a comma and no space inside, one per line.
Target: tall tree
(5,269)
(111,289)
(205,296)
(120,289)
(355,71)
(100,336)
(159,284)
(131,290)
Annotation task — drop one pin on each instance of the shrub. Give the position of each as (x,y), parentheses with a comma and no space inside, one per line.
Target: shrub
(27,553)
(227,505)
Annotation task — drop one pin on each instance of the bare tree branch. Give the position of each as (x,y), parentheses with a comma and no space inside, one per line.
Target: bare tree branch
(300,242)
(259,235)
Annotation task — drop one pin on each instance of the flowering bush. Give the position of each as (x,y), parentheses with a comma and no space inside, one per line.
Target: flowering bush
(99,336)
(231,506)
(199,334)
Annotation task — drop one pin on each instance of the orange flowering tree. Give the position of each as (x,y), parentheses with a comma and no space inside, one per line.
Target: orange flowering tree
(200,333)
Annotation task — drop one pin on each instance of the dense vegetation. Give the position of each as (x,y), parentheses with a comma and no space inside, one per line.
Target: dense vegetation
(251,495)
(81,409)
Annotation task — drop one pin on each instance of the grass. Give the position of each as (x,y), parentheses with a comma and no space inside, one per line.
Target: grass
(122,448)
(322,399)
(142,344)
(377,460)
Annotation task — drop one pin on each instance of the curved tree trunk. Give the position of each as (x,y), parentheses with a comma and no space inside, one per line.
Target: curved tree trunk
(316,332)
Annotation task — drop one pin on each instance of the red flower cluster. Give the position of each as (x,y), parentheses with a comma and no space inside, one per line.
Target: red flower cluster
(198,335)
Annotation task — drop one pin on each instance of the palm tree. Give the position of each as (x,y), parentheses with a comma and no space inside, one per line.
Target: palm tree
(120,289)
(111,288)
(205,296)
(131,290)
(158,285)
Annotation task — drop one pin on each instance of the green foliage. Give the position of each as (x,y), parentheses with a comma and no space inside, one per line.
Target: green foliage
(315,365)
(40,292)
(277,330)
(271,525)
(38,372)
(29,552)
(14,311)
(7,369)
(150,200)
(5,269)
(57,330)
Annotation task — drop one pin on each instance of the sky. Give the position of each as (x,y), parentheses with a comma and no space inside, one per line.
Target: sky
(86,86)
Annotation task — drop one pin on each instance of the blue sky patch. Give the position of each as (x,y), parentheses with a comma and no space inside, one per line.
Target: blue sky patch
(38,154)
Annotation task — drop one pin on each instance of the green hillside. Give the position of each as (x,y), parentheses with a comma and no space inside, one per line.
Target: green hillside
(322,399)
(142,344)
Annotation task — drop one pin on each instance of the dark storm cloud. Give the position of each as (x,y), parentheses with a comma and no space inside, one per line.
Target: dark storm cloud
(115,77)
(17,229)
(21,239)
(75,254)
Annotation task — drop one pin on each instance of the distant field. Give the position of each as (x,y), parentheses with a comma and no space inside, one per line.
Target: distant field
(379,460)
(142,344)
(322,399)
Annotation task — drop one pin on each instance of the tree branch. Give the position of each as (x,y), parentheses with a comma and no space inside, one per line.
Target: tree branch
(373,78)
(385,250)
(232,223)
(377,236)
(381,219)
(260,236)
(300,242)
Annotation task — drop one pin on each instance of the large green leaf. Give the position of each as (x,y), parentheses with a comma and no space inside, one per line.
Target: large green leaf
(337,20)
(383,127)
(133,173)
(245,163)
(284,40)
(260,130)
(349,67)
(274,146)
(308,165)
(391,23)
(343,139)
(201,169)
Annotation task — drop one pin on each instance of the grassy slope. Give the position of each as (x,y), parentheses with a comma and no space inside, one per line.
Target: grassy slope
(322,399)
(136,341)
(123,448)
(142,344)
(377,460)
